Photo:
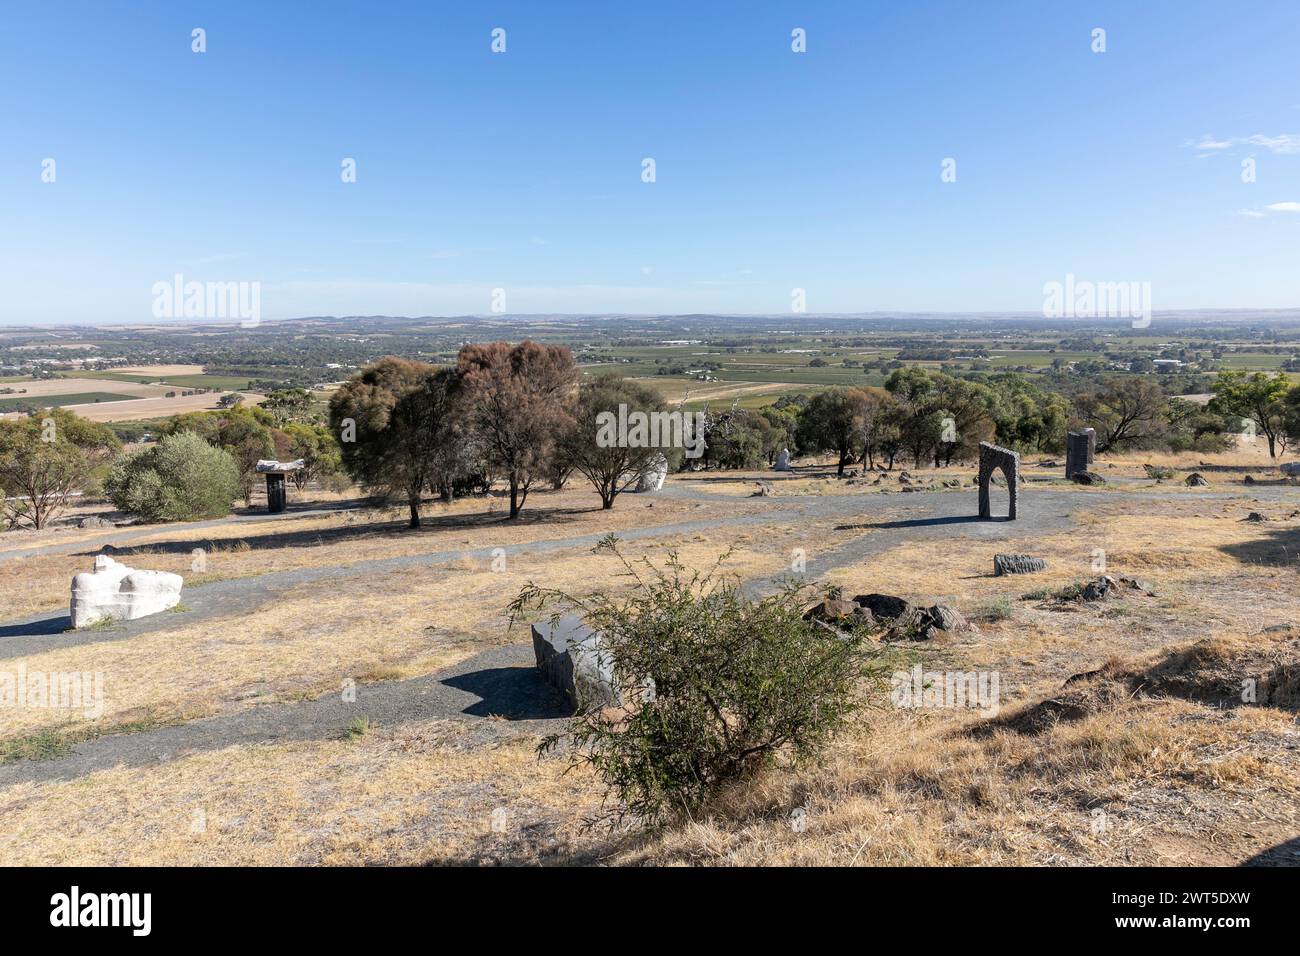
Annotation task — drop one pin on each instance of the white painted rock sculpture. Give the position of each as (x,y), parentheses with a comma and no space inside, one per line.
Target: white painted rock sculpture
(783,460)
(117,592)
(652,478)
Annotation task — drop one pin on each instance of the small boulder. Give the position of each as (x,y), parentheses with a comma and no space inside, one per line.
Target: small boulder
(763,490)
(1098,588)
(886,607)
(1196,480)
(1087,478)
(94,521)
(1255,517)
(831,610)
(1017,564)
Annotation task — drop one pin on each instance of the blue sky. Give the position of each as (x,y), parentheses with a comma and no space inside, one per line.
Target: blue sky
(522,170)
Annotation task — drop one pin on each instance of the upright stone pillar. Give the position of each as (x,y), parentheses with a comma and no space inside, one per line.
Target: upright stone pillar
(1079,451)
(275,496)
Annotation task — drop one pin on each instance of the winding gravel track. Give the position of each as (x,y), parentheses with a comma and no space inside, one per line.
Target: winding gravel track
(502,681)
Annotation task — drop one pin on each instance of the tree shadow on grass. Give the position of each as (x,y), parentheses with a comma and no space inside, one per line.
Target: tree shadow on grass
(1284,854)
(271,539)
(920,522)
(1276,548)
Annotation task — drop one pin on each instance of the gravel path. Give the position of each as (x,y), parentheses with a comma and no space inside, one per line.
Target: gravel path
(502,681)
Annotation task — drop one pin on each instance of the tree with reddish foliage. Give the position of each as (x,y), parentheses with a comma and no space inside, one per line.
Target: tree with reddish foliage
(516,400)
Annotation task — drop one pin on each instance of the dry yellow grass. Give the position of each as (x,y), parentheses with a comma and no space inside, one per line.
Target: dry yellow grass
(40,582)
(1164,780)
(403,795)
(399,624)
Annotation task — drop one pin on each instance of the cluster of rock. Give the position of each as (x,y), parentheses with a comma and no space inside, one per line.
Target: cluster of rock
(114,591)
(1105,586)
(1017,564)
(1196,480)
(899,618)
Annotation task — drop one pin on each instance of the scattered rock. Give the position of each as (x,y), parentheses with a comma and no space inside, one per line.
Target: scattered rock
(926,624)
(1017,564)
(1248,480)
(1255,517)
(840,612)
(1104,586)
(1087,478)
(94,521)
(1196,480)
(1157,472)
(764,490)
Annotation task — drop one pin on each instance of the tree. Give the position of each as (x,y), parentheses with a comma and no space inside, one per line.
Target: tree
(244,432)
(1257,398)
(738,682)
(44,459)
(288,405)
(1124,411)
(831,421)
(611,462)
(394,426)
(515,401)
(180,478)
(1291,402)
(320,453)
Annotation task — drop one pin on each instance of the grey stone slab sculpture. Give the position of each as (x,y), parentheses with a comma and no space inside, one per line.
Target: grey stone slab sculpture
(571,658)
(1079,451)
(114,591)
(996,458)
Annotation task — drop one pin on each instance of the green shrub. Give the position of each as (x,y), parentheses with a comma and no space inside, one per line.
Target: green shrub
(180,478)
(723,686)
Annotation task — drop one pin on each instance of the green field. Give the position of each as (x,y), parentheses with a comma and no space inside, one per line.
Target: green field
(13,403)
(180,381)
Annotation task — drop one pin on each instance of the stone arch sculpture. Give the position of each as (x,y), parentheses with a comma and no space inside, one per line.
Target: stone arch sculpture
(992,458)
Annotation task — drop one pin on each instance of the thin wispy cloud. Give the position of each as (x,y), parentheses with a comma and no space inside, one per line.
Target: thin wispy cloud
(1286,206)
(1282,143)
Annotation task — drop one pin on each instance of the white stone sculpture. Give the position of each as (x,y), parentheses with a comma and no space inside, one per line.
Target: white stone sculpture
(652,477)
(783,460)
(115,591)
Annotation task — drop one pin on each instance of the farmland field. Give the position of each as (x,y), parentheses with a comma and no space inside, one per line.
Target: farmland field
(12,403)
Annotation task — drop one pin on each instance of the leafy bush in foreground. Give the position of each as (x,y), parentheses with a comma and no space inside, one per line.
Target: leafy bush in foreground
(180,478)
(729,684)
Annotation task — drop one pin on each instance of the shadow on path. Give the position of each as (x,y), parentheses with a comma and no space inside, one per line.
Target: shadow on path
(512,693)
(37,628)
(494,682)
